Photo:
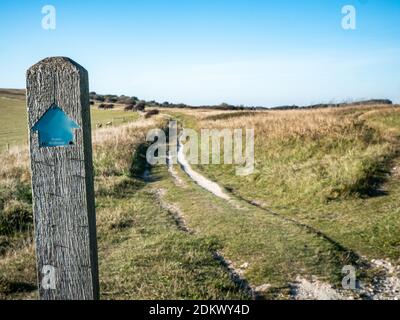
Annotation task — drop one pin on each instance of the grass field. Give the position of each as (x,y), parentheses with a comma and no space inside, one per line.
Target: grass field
(326,190)
(13,119)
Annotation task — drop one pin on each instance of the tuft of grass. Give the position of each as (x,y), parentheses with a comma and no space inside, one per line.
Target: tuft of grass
(4,244)
(18,272)
(15,193)
(15,217)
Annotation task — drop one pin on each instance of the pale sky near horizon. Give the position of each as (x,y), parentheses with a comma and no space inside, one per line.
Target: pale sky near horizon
(249,52)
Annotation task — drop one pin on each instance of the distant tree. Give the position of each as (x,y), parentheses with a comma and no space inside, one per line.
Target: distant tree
(141,105)
(226,106)
(112,99)
(127,100)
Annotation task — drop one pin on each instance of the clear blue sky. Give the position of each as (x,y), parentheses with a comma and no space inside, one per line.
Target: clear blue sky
(211,51)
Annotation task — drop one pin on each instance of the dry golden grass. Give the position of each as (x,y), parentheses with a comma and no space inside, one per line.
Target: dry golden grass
(334,149)
(18,272)
(289,124)
(121,141)
(198,114)
(106,142)
(14,164)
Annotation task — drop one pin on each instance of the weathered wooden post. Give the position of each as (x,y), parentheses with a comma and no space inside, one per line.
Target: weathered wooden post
(62,180)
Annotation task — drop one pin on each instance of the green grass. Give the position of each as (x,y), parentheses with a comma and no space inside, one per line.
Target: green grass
(117,116)
(12,122)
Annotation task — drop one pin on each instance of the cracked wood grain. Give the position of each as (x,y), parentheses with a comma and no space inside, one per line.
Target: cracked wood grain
(62,185)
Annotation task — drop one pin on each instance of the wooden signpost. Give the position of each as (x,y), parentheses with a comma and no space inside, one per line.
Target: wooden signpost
(62,180)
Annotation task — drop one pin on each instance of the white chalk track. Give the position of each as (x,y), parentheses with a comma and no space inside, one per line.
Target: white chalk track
(202,181)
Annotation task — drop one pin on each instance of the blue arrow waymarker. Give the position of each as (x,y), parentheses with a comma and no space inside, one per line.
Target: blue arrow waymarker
(55,128)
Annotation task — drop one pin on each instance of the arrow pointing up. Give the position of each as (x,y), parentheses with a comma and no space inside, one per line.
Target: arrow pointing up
(55,128)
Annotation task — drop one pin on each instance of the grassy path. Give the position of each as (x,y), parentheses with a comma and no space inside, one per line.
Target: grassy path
(275,248)
(270,252)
